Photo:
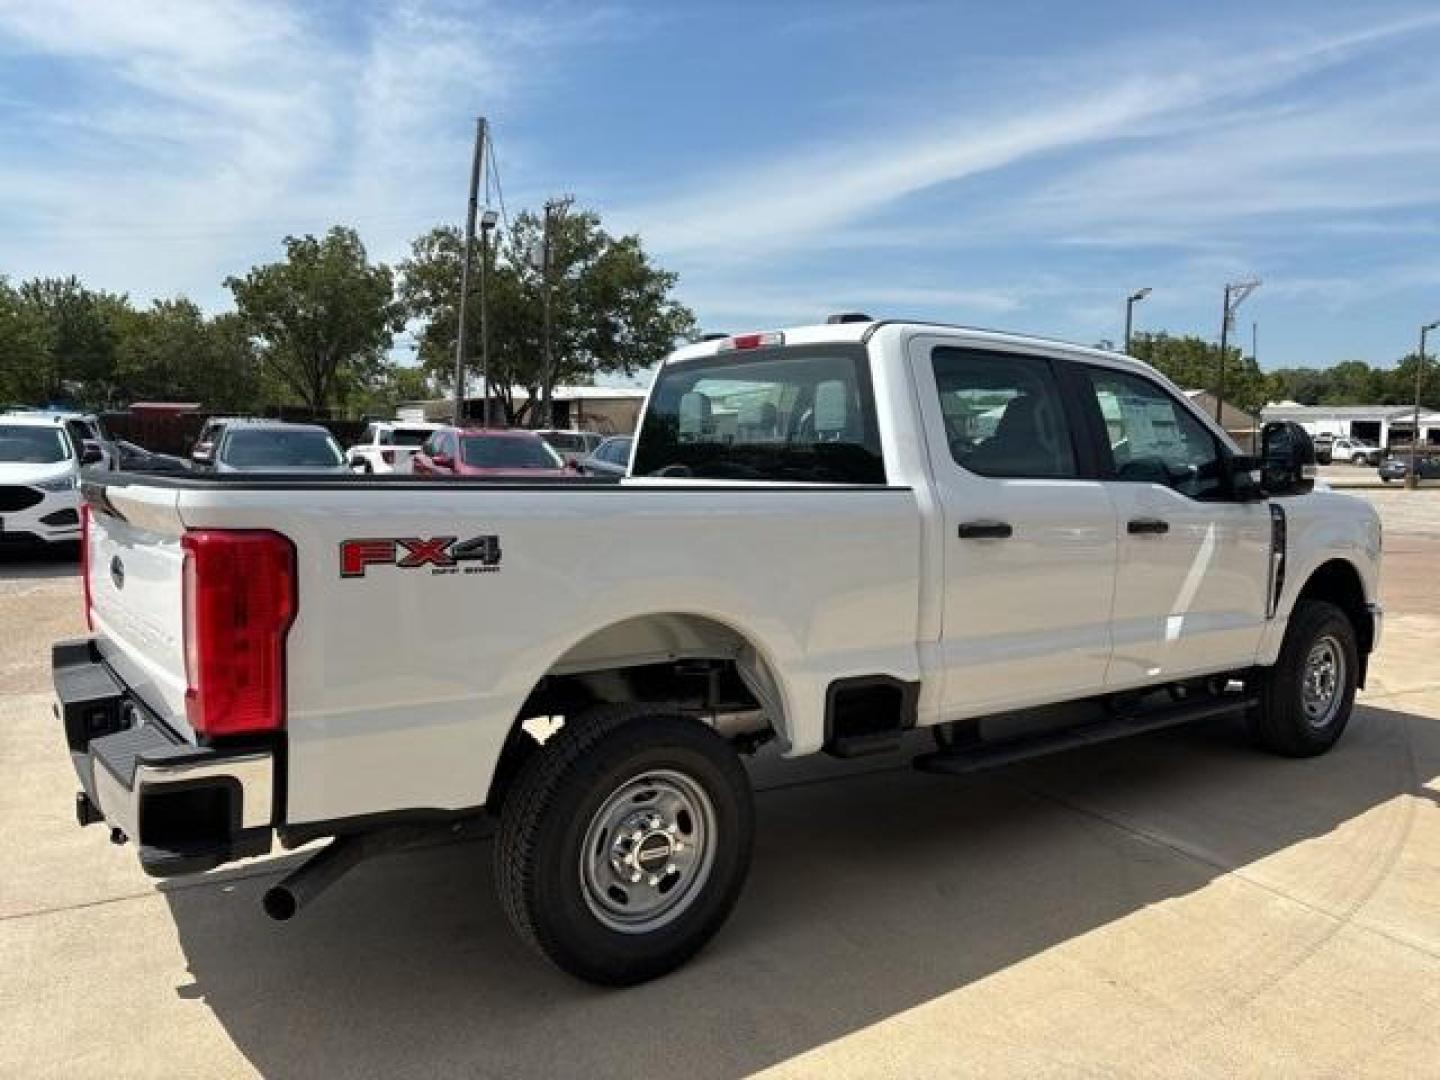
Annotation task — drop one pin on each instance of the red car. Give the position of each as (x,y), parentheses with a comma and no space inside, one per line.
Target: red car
(454,451)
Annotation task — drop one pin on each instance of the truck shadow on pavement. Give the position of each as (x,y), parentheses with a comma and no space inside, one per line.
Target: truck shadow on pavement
(868,896)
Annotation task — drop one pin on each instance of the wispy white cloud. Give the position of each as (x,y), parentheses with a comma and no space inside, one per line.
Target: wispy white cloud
(752,209)
(198,132)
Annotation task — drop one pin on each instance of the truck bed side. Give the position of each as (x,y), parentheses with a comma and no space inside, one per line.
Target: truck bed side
(822,581)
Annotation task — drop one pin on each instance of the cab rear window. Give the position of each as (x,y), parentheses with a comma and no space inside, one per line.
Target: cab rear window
(792,415)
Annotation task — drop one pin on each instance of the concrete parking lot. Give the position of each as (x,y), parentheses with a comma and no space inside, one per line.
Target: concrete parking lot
(1173,905)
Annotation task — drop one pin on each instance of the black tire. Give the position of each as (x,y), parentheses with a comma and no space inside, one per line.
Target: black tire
(1280,722)
(566,790)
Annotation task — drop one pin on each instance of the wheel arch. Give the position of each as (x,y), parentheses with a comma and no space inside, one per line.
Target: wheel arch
(1338,581)
(647,658)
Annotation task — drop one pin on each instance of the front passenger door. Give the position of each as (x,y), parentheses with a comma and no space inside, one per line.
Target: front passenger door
(1028,534)
(1194,562)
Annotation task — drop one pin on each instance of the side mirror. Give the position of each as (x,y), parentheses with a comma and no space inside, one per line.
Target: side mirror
(90,453)
(1246,478)
(1287,459)
(203,454)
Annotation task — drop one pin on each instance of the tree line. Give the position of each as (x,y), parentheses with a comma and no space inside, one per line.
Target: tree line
(1190,362)
(317,329)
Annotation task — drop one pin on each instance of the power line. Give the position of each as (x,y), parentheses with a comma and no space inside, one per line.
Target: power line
(493,167)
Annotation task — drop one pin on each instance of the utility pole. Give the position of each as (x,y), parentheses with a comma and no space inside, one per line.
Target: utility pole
(476,165)
(1234,296)
(1412,474)
(1130,302)
(1255,356)
(554,211)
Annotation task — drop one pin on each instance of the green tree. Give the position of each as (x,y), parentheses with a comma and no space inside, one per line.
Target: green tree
(612,308)
(24,360)
(1190,362)
(1400,381)
(1305,386)
(75,329)
(394,384)
(1353,382)
(323,318)
(171,351)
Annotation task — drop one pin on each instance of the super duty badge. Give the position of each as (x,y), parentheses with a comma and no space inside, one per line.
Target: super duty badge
(443,554)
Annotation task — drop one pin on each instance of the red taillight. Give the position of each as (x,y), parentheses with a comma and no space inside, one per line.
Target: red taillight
(85,562)
(387,456)
(239,596)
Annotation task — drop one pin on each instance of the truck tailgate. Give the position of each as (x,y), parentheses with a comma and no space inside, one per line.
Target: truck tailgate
(134,572)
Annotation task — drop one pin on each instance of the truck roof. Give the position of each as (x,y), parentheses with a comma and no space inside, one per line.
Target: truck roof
(863,330)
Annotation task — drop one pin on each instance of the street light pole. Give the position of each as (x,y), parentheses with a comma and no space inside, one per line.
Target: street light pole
(1130,302)
(554,210)
(1412,474)
(1234,296)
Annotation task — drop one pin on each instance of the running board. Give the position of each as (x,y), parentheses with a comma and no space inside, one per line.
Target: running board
(978,756)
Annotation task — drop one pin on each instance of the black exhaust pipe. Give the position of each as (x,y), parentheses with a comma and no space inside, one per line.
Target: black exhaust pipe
(283,900)
(310,879)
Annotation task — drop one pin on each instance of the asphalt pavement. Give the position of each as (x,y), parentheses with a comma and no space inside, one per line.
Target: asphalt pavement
(1173,905)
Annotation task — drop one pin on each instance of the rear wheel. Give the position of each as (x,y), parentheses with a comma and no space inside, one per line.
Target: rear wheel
(1306,698)
(624,843)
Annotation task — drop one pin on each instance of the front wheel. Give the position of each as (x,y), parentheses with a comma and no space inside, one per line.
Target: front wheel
(624,843)
(1306,698)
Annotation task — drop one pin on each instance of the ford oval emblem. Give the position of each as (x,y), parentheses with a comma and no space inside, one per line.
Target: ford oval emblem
(117,572)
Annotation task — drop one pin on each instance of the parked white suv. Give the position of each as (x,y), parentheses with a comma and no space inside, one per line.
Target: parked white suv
(387,447)
(39,480)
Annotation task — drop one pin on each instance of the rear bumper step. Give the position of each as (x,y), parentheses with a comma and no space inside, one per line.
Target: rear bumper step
(188,808)
(976,757)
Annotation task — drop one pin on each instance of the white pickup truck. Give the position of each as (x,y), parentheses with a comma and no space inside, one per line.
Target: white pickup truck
(831,535)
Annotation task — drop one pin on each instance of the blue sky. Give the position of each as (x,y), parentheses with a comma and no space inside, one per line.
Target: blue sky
(1020,165)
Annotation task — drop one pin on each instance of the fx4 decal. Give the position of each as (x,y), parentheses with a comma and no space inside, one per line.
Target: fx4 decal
(443,554)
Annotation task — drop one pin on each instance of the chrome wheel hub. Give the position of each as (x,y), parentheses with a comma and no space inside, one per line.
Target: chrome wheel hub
(647,851)
(1323,682)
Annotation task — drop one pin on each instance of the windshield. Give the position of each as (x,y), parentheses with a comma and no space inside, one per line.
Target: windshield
(798,415)
(33,445)
(507,452)
(278,447)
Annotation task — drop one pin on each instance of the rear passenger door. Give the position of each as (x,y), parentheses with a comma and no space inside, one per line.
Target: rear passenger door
(1190,594)
(1029,545)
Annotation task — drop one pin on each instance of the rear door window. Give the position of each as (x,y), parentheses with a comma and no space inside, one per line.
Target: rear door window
(1004,414)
